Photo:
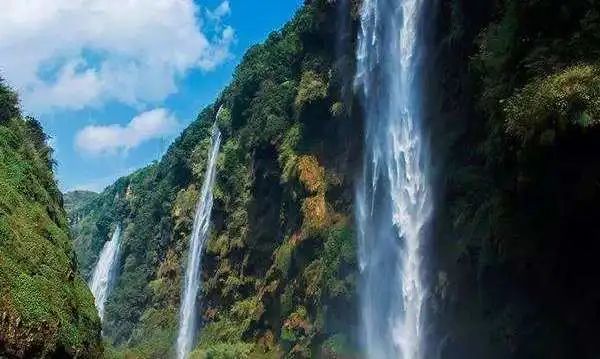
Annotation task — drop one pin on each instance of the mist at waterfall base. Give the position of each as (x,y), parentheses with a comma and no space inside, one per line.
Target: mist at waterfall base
(393,195)
(105,270)
(187,314)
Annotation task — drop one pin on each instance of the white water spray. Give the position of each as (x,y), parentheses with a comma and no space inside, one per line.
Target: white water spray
(393,197)
(104,272)
(187,311)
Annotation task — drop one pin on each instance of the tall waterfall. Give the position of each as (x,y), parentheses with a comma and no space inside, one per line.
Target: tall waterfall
(393,198)
(187,311)
(105,269)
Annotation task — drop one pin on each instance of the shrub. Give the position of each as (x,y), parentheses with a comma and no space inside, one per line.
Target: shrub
(239,350)
(569,97)
(337,110)
(315,213)
(283,257)
(287,152)
(311,174)
(9,103)
(312,88)
(337,346)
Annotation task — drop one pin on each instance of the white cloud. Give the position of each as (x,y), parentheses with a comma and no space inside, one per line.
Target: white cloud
(70,54)
(221,11)
(110,139)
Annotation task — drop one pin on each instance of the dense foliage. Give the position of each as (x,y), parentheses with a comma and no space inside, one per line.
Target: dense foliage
(46,308)
(516,232)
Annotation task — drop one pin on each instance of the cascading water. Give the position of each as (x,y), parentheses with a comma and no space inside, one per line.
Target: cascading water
(187,311)
(105,269)
(393,198)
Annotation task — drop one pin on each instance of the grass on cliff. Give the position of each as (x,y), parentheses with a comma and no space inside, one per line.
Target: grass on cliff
(45,306)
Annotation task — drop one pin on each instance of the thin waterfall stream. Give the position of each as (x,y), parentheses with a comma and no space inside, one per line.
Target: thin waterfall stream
(393,196)
(187,313)
(104,272)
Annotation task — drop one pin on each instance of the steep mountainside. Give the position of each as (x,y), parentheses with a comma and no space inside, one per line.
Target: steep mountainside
(279,271)
(46,309)
(516,125)
(75,200)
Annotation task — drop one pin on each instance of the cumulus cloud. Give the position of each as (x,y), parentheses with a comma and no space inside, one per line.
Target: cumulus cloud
(110,139)
(70,54)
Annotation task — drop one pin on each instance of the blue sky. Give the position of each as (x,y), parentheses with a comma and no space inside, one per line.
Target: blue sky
(114,84)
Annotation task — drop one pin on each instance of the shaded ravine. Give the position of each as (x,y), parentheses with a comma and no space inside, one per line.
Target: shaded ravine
(393,197)
(187,311)
(104,272)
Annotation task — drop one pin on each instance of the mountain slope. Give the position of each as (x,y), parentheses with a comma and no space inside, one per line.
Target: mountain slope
(279,269)
(46,308)
(74,201)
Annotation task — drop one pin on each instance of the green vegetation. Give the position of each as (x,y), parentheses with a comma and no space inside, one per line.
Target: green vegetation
(76,200)
(513,108)
(550,105)
(46,308)
(517,129)
(312,88)
(513,113)
(281,219)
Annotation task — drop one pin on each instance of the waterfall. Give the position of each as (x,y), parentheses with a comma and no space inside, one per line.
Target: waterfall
(393,196)
(187,311)
(105,270)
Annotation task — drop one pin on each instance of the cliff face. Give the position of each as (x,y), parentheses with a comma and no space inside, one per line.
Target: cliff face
(279,269)
(46,308)
(515,235)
